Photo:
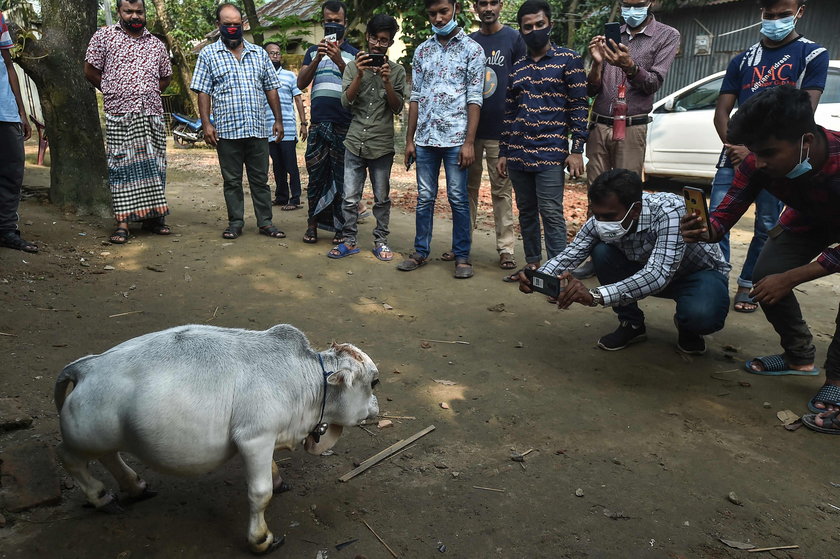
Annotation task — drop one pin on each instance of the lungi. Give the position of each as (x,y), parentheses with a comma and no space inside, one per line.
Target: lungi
(325,165)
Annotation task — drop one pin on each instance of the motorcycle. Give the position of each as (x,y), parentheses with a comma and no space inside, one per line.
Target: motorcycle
(188,130)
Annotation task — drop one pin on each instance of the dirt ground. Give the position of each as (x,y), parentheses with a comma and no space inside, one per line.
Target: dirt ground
(634,452)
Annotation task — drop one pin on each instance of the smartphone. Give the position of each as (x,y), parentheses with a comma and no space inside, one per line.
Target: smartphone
(612,31)
(695,203)
(331,38)
(410,162)
(544,283)
(376,60)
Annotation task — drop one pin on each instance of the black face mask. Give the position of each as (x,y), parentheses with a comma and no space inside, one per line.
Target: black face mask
(231,32)
(134,24)
(337,28)
(537,38)
(277,65)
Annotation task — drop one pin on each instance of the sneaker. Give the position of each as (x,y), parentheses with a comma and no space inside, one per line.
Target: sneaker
(623,336)
(691,344)
(584,271)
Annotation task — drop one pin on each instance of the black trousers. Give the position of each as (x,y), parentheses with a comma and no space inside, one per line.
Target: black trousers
(11,173)
(286,173)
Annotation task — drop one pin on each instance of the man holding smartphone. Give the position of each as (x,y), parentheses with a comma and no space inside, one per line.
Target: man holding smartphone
(634,240)
(639,63)
(373,90)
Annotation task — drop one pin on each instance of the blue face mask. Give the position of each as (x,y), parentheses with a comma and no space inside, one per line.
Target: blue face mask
(634,17)
(804,165)
(778,29)
(446,29)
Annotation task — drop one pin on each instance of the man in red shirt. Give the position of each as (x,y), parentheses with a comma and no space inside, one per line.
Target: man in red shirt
(799,163)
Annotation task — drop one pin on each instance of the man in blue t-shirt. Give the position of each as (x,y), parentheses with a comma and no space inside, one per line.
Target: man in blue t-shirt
(781,57)
(502,47)
(323,66)
(14,130)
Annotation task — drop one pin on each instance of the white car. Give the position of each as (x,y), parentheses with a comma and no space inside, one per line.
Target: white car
(682,141)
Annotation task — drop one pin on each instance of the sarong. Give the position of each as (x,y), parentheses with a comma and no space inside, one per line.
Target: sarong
(325,165)
(137,166)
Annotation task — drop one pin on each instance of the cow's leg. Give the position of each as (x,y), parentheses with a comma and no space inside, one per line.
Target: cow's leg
(277,482)
(127,478)
(93,489)
(258,454)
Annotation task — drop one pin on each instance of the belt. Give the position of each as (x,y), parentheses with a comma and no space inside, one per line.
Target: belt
(630,120)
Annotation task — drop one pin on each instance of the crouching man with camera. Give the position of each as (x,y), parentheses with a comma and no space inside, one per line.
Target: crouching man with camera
(637,249)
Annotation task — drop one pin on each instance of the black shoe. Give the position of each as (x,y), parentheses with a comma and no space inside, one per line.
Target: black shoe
(691,344)
(623,336)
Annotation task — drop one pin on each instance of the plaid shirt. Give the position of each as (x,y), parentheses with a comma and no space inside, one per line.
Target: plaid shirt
(237,87)
(131,67)
(8,102)
(813,201)
(653,49)
(445,79)
(656,242)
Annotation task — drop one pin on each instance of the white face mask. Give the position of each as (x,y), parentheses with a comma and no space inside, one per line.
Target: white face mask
(613,230)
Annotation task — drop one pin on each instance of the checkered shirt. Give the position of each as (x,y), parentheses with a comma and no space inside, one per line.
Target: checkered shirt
(237,88)
(656,242)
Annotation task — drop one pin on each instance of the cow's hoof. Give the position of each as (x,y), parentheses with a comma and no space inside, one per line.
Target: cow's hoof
(146,494)
(112,507)
(282,488)
(271,547)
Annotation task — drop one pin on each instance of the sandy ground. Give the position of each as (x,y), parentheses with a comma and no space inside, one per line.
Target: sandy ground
(651,441)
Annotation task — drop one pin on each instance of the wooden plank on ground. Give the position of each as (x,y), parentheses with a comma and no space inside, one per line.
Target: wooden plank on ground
(382,455)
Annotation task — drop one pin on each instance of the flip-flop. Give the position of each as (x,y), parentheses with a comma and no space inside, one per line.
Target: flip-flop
(342,250)
(744,298)
(119,236)
(514,277)
(775,366)
(412,263)
(832,417)
(827,394)
(272,231)
(13,240)
(379,249)
(447,256)
(506,261)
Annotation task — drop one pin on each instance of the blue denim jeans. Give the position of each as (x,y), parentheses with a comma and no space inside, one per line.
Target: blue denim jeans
(356,170)
(767,210)
(540,195)
(702,297)
(429,160)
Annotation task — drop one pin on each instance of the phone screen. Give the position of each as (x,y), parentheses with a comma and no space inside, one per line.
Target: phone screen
(612,31)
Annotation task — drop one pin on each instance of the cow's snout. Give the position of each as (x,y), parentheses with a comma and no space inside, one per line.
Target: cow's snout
(373,407)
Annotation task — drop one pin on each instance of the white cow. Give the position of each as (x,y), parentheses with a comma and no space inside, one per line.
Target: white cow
(186,399)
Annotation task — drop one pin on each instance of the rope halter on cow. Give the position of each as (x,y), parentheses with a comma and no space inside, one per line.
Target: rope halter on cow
(321,427)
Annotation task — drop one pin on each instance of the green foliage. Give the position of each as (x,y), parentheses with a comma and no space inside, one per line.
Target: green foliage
(191,19)
(285,30)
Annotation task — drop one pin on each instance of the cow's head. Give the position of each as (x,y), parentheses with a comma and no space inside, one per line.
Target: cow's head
(350,398)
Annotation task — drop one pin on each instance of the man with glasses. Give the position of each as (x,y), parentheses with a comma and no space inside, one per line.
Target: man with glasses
(639,65)
(373,93)
(282,150)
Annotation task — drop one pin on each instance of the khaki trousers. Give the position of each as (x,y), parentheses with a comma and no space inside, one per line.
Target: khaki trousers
(605,154)
(500,193)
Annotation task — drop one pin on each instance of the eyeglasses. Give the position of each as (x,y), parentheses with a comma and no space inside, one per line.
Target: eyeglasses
(380,42)
(274,53)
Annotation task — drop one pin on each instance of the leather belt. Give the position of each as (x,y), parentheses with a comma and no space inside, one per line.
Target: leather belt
(631,120)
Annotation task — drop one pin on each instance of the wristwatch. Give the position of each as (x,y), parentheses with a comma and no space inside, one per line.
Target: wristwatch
(633,71)
(597,298)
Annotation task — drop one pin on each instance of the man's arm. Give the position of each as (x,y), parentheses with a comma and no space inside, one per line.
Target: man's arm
(15,85)
(304,125)
(308,69)
(475,98)
(577,111)
(596,72)
(164,82)
(815,95)
(394,88)
(410,150)
(274,104)
(204,112)
(466,157)
(648,80)
(351,82)
(93,75)
(723,108)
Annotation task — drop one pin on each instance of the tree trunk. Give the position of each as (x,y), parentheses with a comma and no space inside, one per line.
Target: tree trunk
(572,23)
(253,21)
(182,65)
(78,174)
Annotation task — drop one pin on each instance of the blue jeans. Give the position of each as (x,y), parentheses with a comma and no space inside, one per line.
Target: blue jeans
(702,297)
(356,170)
(767,210)
(429,160)
(540,194)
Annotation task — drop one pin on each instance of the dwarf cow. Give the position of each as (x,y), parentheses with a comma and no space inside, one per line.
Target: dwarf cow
(186,399)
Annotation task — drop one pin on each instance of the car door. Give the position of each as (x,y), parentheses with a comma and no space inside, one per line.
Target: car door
(828,111)
(682,141)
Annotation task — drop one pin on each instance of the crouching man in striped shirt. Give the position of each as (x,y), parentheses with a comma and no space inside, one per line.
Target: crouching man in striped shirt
(637,249)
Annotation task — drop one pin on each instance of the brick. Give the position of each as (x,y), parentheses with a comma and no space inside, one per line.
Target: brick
(29,476)
(12,415)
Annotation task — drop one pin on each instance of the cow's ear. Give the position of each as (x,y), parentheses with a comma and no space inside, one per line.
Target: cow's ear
(342,376)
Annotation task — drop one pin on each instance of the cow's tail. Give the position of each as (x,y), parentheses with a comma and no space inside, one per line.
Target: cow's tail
(71,373)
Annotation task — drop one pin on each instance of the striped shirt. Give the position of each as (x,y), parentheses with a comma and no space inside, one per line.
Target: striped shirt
(445,79)
(237,88)
(326,86)
(287,92)
(656,242)
(653,50)
(545,107)
(8,103)
(813,200)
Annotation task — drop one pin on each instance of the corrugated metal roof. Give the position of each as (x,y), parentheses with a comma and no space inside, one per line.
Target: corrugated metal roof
(307,10)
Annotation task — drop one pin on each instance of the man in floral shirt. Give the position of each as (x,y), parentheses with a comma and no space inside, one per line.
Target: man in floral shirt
(446,97)
(131,67)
